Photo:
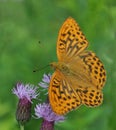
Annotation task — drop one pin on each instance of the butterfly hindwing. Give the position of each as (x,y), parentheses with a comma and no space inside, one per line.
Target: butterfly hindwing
(95,68)
(90,96)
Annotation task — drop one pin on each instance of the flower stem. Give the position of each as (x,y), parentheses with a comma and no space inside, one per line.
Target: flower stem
(21,127)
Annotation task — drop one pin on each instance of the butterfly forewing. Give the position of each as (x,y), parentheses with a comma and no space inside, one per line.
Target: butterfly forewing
(61,94)
(71,40)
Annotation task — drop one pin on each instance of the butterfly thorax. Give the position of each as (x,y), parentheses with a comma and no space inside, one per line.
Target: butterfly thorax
(61,66)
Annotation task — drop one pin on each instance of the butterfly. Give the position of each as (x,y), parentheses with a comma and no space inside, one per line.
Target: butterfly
(79,74)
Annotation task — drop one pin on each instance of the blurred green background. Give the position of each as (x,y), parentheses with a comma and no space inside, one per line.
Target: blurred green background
(28,35)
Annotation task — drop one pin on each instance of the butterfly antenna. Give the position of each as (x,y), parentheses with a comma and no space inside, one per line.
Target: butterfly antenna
(39,69)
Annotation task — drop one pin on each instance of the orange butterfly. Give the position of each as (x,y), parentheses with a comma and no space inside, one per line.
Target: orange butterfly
(79,74)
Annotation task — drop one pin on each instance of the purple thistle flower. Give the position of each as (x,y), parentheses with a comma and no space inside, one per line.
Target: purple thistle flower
(49,117)
(45,81)
(25,93)
(44,110)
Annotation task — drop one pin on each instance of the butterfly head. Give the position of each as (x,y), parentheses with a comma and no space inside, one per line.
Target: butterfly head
(61,66)
(54,65)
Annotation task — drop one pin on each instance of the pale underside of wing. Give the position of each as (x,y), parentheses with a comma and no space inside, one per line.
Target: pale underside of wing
(63,98)
(71,40)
